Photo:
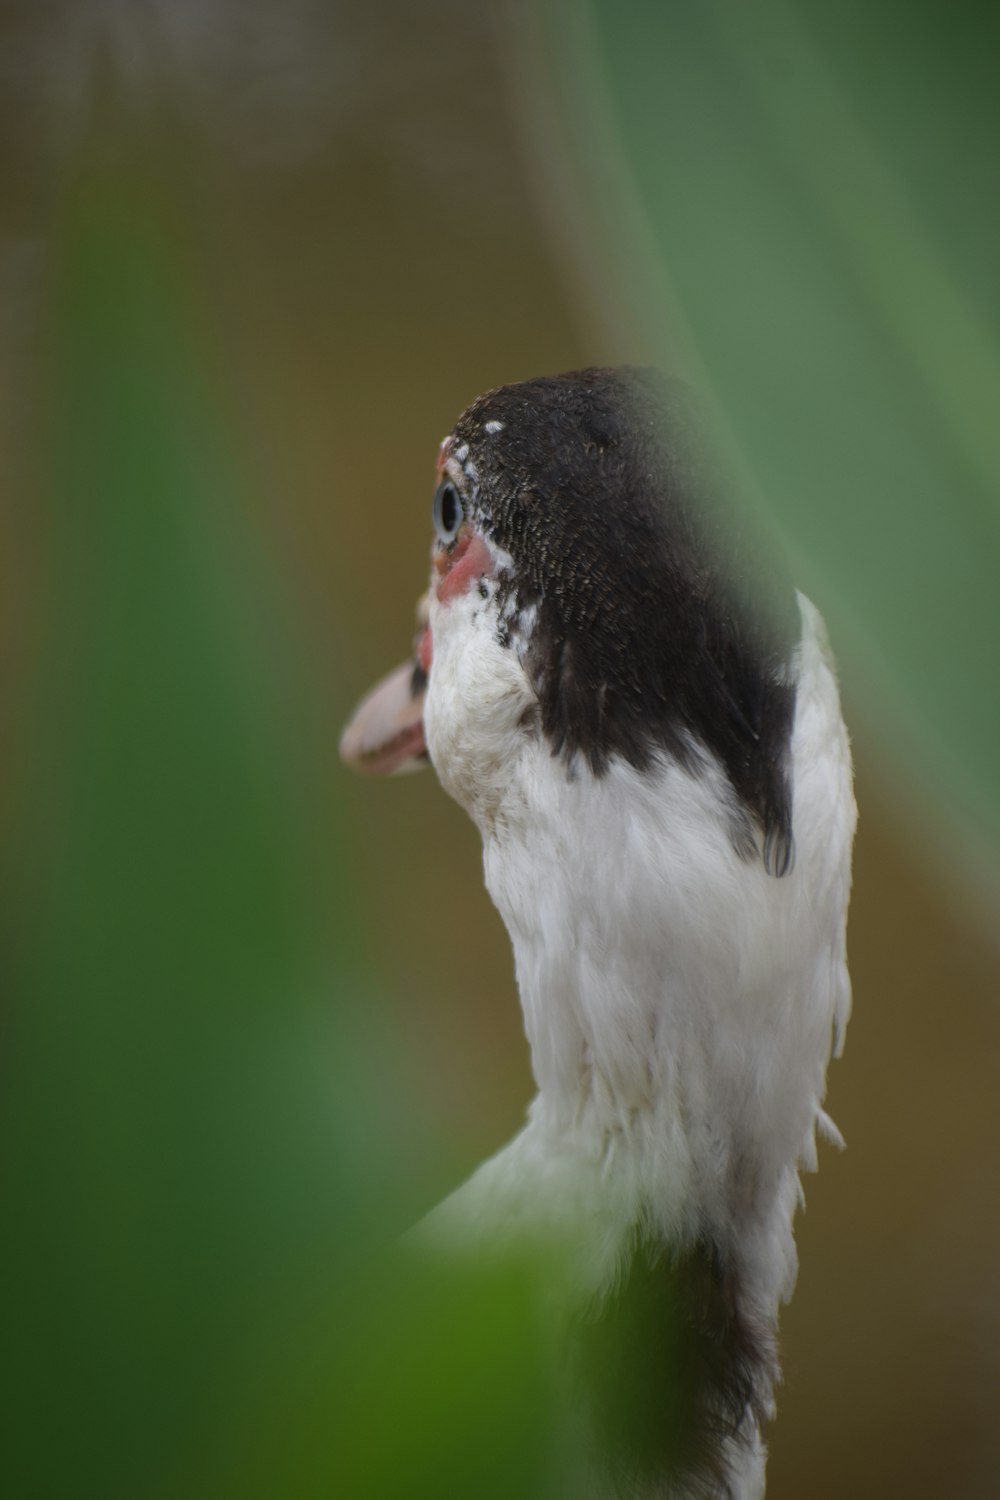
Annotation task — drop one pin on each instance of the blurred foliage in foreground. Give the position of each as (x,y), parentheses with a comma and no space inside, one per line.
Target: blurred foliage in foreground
(192,1169)
(806,196)
(194,1155)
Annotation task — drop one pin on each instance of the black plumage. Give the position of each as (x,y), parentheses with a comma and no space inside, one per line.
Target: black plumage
(660,624)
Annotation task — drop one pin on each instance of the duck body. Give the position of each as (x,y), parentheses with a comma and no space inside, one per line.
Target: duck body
(658,766)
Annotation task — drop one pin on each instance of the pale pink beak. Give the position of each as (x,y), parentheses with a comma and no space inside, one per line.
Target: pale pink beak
(386,730)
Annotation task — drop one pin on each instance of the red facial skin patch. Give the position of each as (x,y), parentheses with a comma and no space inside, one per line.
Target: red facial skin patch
(469,560)
(457,570)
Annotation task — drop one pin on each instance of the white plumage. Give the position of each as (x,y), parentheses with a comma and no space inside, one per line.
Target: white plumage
(681,1003)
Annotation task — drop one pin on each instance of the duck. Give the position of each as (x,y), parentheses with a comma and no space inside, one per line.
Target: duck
(615,679)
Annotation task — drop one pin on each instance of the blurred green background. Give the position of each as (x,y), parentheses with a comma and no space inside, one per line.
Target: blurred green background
(259,1015)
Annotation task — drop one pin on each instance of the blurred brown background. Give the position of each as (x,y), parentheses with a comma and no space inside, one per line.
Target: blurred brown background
(365,251)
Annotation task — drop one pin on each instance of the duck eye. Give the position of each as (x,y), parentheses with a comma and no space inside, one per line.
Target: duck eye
(448,512)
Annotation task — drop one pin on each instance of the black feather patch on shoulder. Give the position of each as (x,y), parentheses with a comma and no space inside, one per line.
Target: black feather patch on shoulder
(676,1375)
(658,626)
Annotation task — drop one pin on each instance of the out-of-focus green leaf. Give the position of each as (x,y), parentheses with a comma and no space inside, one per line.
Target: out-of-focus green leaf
(197,1167)
(806,195)
(411,1378)
(188,1137)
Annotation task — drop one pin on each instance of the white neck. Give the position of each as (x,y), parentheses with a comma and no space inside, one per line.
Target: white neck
(679,1001)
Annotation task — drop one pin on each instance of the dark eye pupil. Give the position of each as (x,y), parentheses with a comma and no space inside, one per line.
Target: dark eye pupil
(448,513)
